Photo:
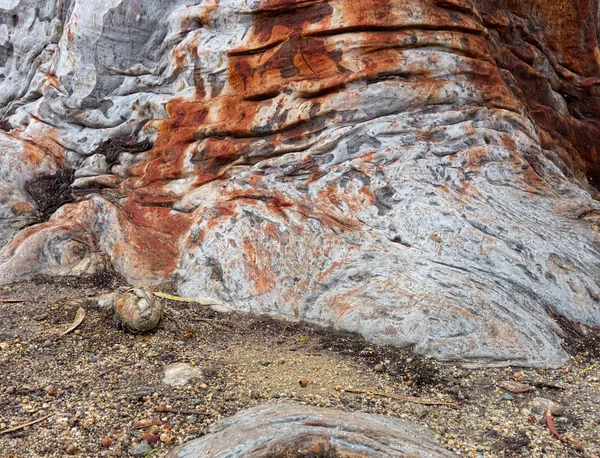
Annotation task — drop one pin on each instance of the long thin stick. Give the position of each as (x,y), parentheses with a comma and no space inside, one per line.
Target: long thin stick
(398,397)
(186,412)
(25,425)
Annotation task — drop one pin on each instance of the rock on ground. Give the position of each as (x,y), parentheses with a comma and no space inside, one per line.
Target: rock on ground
(178,374)
(292,430)
(423,172)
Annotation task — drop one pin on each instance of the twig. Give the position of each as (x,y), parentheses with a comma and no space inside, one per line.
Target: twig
(184,412)
(398,397)
(11,301)
(25,425)
(203,320)
(548,385)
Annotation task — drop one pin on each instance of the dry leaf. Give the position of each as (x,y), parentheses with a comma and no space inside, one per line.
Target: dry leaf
(552,428)
(516,387)
(79,316)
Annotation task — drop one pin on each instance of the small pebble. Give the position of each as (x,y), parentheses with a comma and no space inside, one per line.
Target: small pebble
(542,405)
(378,368)
(507,397)
(167,438)
(70,449)
(4,346)
(106,442)
(141,449)
(51,390)
(11,390)
(304,382)
(152,439)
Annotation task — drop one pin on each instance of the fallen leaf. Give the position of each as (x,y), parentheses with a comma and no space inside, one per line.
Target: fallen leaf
(552,428)
(79,316)
(302,339)
(516,387)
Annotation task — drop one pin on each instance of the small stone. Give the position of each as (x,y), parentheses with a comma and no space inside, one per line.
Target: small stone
(152,439)
(378,368)
(167,438)
(179,374)
(11,390)
(542,405)
(138,310)
(145,423)
(107,301)
(141,449)
(4,346)
(29,387)
(51,390)
(70,449)
(304,382)
(47,343)
(107,442)
(507,397)
(87,423)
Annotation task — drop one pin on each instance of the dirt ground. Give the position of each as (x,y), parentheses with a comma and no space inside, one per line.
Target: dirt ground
(102,386)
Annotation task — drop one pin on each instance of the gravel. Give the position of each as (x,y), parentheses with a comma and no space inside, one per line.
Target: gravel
(103,386)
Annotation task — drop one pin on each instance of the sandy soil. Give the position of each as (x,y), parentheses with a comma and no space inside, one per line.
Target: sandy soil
(102,384)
